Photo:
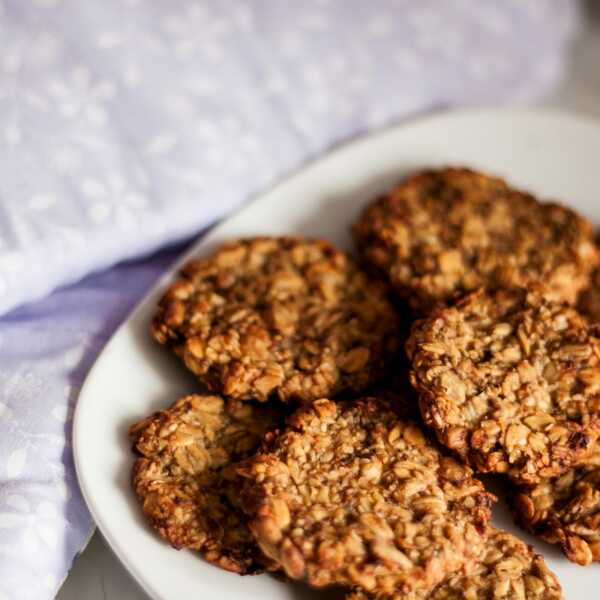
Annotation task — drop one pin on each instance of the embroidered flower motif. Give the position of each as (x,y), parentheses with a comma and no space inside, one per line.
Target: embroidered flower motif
(112,198)
(79,96)
(36,524)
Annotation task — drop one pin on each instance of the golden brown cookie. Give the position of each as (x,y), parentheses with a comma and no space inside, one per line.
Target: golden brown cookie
(565,511)
(351,494)
(508,570)
(279,317)
(509,381)
(185,476)
(442,233)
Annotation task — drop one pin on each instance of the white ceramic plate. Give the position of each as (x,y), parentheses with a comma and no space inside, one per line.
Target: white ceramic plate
(554,155)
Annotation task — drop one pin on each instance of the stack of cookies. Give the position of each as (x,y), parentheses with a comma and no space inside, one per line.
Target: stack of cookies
(307,451)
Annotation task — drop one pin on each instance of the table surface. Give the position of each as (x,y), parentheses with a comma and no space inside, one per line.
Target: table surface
(97,574)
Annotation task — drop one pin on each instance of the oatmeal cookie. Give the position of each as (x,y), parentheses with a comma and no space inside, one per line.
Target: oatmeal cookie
(445,232)
(509,381)
(351,494)
(279,317)
(509,570)
(565,511)
(185,476)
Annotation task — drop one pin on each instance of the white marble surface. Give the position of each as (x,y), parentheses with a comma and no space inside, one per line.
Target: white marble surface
(97,574)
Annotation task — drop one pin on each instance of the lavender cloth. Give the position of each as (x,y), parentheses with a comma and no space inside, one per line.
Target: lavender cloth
(46,350)
(126,125)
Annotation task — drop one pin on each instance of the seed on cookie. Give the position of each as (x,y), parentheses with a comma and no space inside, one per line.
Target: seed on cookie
(508,570)
(565,511)
(279,317)
(351,494)
(509,381)
(442,233)
(186,480)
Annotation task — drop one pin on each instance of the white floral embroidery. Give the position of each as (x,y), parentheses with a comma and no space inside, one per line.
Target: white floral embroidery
(112,199)
(36,524)
(79,96)
(183,29)
(39,202)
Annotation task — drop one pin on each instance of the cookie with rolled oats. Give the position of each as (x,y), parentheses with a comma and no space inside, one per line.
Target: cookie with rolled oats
(186,480)
(565,511)
(510,381)
(508,570)
(289,318)
(352,494)
(441,233)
